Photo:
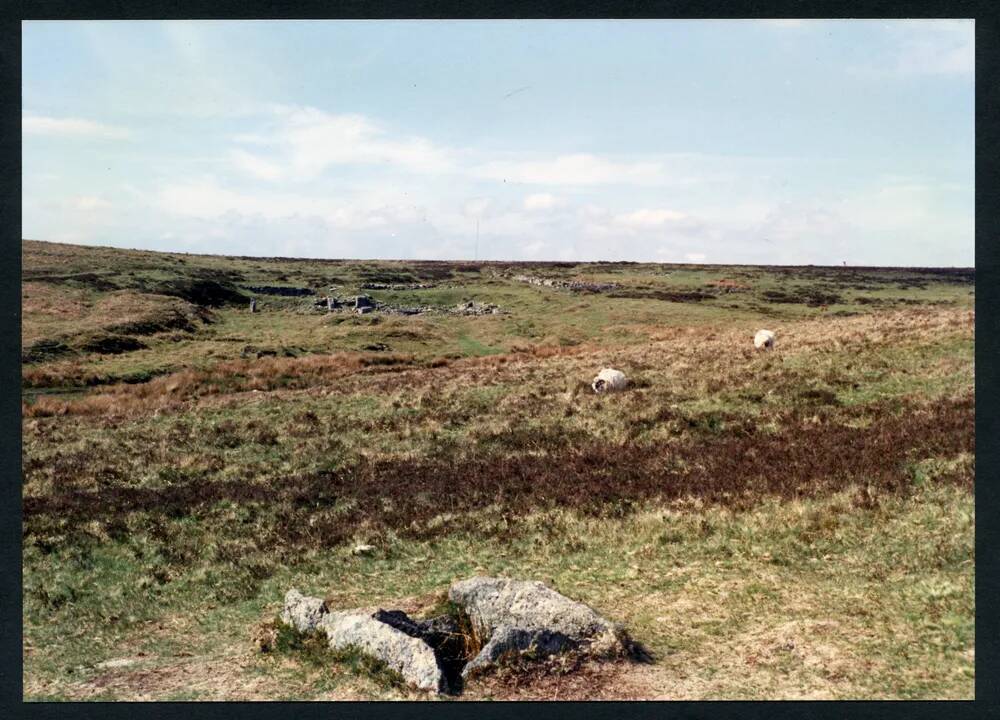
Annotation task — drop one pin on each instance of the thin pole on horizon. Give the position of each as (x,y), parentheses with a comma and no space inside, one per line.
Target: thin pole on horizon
(476,257)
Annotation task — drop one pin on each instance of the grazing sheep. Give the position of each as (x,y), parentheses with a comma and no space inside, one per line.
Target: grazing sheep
(609,380)
(764,340)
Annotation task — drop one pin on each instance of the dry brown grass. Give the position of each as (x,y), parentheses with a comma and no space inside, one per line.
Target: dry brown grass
(688,354)
(813,453)
(44,301)
(52,311)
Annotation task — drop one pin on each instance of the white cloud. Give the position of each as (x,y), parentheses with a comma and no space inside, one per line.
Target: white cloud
(654,214)
(645,226)
(543,201)
(255,166)
(306,141)
(908,209)
(650,218)
(206,199)
(70,237)
(578,169)
(301,143)
(476,206)
(799,233)
(921,48)
(865,227)
(70,127)
(89,203)
(937,47)
(594,212)
(534,250)
(251,139)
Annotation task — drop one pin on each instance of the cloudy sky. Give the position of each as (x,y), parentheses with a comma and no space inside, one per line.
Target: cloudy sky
(677,141)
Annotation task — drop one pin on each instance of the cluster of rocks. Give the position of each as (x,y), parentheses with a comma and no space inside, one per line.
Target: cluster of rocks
(364,304)
(498,620)
(574,285)
(476,308)
(361,304)
(396,286)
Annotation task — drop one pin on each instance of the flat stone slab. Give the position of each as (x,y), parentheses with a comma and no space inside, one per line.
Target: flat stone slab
(411,657)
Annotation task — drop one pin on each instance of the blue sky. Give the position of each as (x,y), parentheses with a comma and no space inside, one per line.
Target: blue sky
(675,141)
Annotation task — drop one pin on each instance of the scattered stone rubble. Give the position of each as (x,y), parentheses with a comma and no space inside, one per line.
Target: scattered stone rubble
(361,304)
(364,304)
(475,308)
(573,285)
(396,286)
(510,618)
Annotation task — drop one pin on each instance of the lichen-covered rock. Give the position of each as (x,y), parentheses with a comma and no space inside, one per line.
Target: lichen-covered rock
(411,657)
(509,617)
(442,633)
(303,612)
(521,615)
(507,641)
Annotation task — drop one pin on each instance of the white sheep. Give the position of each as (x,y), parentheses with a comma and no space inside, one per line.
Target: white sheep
(609,380)
(764,340)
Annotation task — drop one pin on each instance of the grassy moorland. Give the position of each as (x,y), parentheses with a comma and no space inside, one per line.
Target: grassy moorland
(793,524)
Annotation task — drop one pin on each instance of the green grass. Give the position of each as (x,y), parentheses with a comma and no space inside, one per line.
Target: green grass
(695,585)
(470,346)
(861,592)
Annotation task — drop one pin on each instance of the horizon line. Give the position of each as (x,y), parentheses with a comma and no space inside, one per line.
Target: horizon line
(505,262)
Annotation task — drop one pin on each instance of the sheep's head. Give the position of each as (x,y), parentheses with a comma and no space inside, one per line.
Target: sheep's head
(599,385)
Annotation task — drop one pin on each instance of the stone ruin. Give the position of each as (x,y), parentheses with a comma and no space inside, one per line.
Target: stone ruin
(497,620)
(396,286)
(361,304)
(364,304)
(573,285)
(476,308)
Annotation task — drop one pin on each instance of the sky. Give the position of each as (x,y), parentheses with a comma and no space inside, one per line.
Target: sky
(754,141)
